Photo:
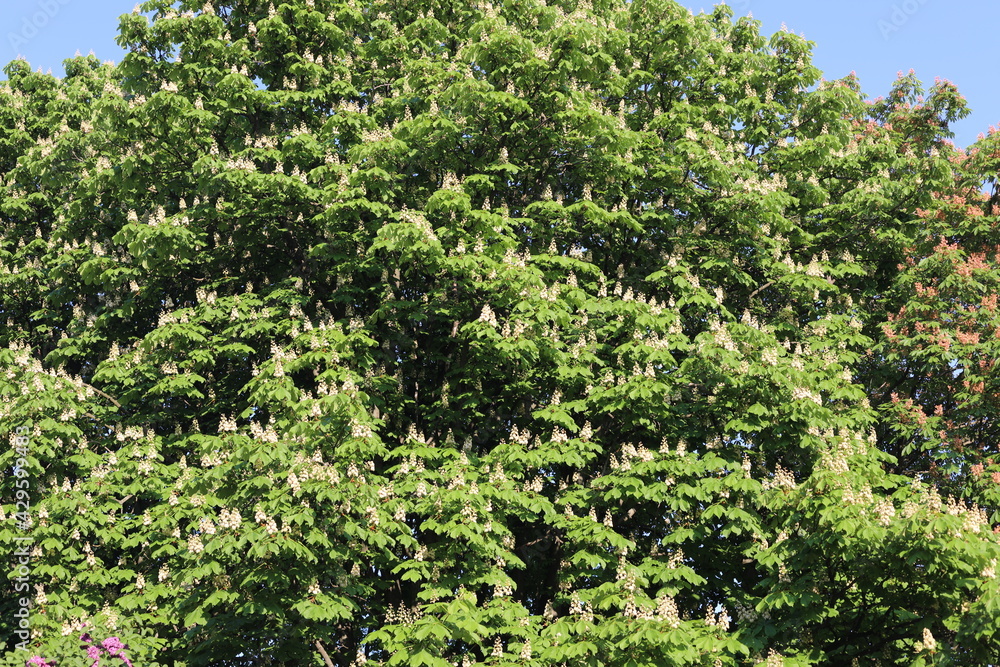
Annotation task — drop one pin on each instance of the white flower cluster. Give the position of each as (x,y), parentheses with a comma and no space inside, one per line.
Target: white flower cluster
(762,186)
(885,511)
(559,435)
(624,464)
(194,544)
(360,429)
(264,434)
(487,316)
(974,518)
(801,393)
(213,459)
(91,559)
(634,610)
(666,609)
(502,591)
(814,268)
(376,135)
(927,643)
(520,437)
(862,496)
(206,526)
(110,616)
(75,626)
(497,474)
(402,615)
(724,340)
(782,479)
(580,607)
(843,447)
(535,485)
(417,219)
(774,659)
(262,519)
(746,613)
(227,424)
(721,621)
(932,499)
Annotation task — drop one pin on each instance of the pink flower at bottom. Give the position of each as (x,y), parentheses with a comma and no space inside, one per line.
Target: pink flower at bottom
(116,649)
(113,644)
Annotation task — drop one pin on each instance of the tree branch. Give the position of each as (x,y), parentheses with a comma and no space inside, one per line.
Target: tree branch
(760,289)
(107,396)
(322,652)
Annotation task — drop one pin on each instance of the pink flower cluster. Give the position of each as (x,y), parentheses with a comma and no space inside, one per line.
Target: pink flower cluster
(112,647)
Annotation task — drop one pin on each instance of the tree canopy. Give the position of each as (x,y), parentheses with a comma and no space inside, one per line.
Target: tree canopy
(541,332)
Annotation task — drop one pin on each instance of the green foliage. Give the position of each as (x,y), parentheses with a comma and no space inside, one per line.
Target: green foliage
(439,333)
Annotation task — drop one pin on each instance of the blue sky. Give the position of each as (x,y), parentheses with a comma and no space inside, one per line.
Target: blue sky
(875,38)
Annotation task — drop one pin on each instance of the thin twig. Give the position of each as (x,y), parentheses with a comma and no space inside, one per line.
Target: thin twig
(107,396)
(760,289)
